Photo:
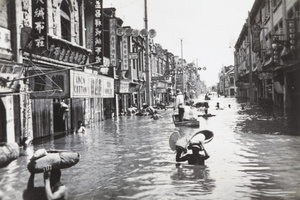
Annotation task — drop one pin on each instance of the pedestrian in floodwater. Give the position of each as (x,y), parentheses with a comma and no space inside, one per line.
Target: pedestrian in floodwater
(80,128)
(179,103)
(53,188)
(198,156)
(218,105)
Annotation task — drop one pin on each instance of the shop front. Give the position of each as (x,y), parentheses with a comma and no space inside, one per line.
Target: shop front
(62,98)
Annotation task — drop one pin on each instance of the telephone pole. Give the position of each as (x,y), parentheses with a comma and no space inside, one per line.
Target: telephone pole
(147,67)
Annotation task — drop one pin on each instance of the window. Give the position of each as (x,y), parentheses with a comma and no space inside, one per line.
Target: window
(65,21)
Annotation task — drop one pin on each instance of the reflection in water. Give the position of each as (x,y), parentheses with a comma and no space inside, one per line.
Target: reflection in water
(251,157)
(195,177)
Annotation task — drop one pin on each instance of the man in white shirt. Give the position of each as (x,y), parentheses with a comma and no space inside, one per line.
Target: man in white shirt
(189,112)
(179,103)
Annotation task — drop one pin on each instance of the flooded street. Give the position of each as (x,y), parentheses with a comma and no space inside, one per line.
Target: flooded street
(251,157)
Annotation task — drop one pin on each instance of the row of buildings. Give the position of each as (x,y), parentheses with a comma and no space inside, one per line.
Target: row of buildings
(266,70)
(64,61)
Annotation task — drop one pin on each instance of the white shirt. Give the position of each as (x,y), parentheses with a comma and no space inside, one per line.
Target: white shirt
(179,100)
(189,113)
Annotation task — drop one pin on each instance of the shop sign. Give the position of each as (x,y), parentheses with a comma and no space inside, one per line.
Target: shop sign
(80,84)
(66,52)
(49,85)
(161,90)
(8,73)
(96,86)
(5,38)
(133,56)
(108,87)
(98,32)
(162,85)
(124,87)
(125,52)
(113,42)
(70,84)
(39,24)
(255,37)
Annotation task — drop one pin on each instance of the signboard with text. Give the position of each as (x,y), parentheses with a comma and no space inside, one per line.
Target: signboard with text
(39,24)
(124,87)
(85,85)
(70,84)
(125,53)
(113,42)
(98,31)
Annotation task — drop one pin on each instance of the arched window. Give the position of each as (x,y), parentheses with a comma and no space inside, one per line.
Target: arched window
(65,21)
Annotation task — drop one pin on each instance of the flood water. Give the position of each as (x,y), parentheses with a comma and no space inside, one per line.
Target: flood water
(251,157)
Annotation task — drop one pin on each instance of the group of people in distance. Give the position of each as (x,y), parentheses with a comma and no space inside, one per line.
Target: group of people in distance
(185,108)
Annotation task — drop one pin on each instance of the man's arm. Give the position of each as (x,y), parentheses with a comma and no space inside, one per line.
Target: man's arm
(55,195)
(180,158)
(206,155)
(30,183)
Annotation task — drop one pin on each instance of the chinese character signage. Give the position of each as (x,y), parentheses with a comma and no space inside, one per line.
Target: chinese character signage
(98,29)
(85,85)
(113,41)
(124,87)
(255,37)
(125,52)
(39,24)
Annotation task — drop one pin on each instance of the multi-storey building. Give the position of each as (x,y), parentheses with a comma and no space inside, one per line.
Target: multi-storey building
(55,63)
(267,56)
(64,61)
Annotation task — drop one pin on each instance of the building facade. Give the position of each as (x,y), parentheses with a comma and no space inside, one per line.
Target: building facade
(267,57)
(64,61)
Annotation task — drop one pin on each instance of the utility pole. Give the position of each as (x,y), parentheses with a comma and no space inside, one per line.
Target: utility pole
(250,57)
(148,74)
(181,65)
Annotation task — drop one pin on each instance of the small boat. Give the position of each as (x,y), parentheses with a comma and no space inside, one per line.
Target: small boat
(190,123)
(206,115)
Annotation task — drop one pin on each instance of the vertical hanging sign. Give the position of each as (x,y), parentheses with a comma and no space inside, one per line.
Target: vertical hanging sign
(39,24)
(256,37)
(112,42)
(98,32)
(125,52)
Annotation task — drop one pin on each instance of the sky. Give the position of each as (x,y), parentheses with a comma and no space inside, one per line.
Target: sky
(208,29)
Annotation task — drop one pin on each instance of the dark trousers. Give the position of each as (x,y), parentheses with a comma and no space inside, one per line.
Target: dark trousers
(181,112)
